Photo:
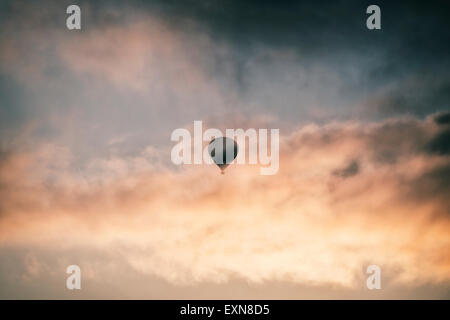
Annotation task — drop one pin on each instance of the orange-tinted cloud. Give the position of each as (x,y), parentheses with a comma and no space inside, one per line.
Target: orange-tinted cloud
(309,224)
(348,194)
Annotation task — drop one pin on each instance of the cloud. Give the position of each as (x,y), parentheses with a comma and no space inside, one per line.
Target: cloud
(350,170)
(304,225)
(85,173)
(443,118)
(440,143)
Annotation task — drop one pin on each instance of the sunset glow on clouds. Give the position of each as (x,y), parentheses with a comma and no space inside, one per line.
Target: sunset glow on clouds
(315,222)
(86,177)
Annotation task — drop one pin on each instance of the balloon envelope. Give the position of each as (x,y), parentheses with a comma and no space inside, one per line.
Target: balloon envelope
(223,151)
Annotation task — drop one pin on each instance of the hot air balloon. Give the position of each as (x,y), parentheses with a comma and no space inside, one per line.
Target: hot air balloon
(223,151)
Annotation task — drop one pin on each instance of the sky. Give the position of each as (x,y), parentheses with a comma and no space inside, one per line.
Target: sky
(86,177)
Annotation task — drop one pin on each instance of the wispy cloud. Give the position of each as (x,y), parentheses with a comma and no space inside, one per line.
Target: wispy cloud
(306,224)
(85,123)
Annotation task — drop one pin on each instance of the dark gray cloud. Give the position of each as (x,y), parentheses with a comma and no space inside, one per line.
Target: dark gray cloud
(443,118)
(393,140)
(335,69)
(440,144)
(350,170)
(420,93)
(404,65)
(309,26)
